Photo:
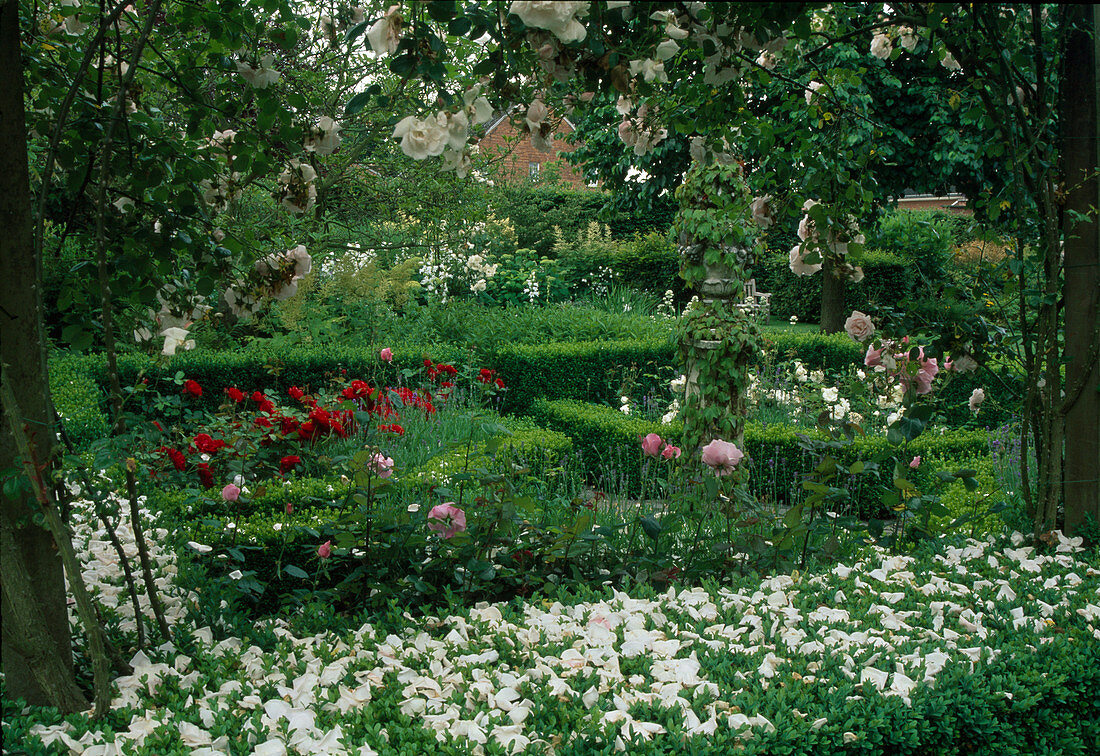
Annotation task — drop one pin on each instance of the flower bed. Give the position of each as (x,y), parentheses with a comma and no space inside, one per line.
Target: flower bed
(986,646)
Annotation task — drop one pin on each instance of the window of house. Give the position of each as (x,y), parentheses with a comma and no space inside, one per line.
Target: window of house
(533,171)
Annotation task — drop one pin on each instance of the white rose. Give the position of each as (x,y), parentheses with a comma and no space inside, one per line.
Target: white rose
(799,266)
(859,326)
(766,60)
(384,34)
(422,138)
(830,394)
(976,400)
(559,17)
(881,46)
(762,211)
(908,38)
(811,91)
(536,114)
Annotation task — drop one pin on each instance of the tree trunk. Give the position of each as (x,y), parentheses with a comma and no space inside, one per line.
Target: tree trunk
(833,288)
(1082,267)
(37,656)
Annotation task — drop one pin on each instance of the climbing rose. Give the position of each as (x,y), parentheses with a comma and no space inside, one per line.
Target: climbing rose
(446,519)
(881,46)
(423,138)
(798,263)
(721,456)
(559,17)
(384,33)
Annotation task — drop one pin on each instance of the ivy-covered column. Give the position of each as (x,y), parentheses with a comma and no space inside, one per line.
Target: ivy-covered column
(718,339)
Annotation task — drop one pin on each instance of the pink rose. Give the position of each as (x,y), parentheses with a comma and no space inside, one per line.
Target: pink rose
(722,456)
(651,445)
(671,452)
(859,326)
(386,355)
(325,550)
(446,519)
(231,493)
(383,466)
(915,463)
(874,357)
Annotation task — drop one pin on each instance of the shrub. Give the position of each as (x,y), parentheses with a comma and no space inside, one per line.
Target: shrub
(78,399)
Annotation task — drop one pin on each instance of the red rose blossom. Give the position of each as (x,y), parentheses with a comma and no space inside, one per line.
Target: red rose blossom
(205,476)
(235,394)
(179,461)
(485,375)
(288,463)
(192,388)
(207,444)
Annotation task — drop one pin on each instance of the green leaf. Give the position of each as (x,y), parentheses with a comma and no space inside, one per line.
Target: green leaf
(793,518)
(650,526)
(297,572)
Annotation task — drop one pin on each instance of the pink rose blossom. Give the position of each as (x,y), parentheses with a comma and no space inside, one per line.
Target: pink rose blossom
(325,550)
(446,519)
(915,463)
(383,465)
(386,355)
(874,357)
(231,493)
(722,456)
(651,445)
(671,452)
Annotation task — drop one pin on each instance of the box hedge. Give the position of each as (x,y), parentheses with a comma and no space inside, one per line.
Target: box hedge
(609,445)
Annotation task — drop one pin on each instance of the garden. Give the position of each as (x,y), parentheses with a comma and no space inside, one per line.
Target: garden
(323,432)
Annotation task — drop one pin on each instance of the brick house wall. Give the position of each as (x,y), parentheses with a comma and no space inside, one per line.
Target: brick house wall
(515,159)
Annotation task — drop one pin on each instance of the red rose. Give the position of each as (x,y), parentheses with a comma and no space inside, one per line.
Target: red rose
(205,475)
(427,362)
(500,383)
(192,388)
(235,394)
(288,425)
(295,392)
(179,461)
(348,393)
(158,426)
(485,375)
(263,422)
(258,397)
(288,463)
(206,444)
(392,428)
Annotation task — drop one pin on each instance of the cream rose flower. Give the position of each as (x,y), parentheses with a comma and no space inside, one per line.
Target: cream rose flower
(859,326)
(423,138)
(559,17)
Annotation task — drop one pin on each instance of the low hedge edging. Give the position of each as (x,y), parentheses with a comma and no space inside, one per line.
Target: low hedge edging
(606,437)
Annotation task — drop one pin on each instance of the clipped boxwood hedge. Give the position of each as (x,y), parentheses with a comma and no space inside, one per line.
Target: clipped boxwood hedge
(587,369)
(606,437)
(535,447)
(78,399)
